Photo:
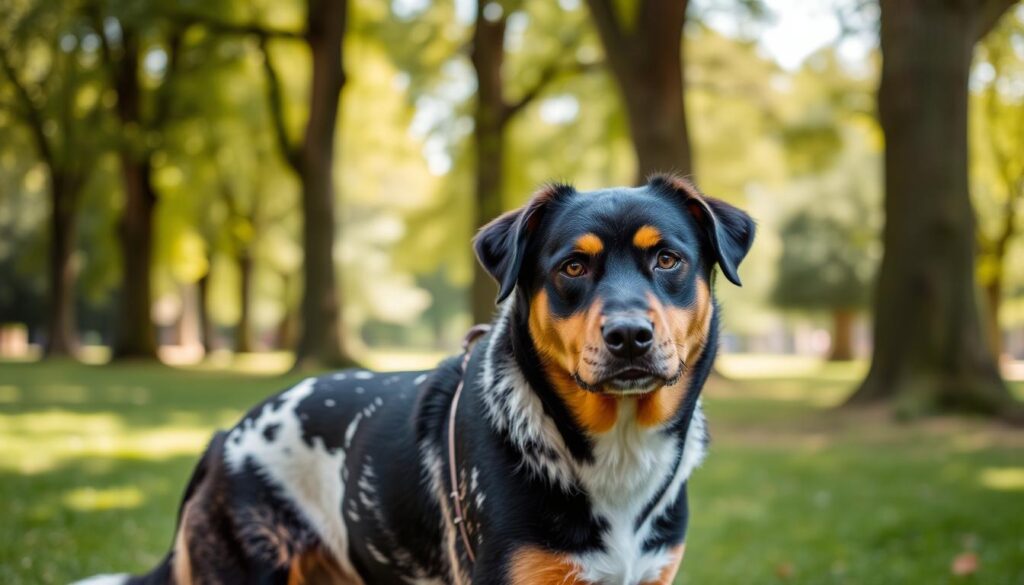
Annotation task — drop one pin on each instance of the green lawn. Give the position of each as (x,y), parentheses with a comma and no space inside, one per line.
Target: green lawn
(93,459)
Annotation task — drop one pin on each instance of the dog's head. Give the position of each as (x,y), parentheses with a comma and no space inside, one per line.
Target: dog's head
(617,285)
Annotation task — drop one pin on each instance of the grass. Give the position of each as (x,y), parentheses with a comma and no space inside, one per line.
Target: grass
(93,460)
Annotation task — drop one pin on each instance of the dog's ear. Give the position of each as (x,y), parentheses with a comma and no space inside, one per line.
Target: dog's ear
(730,231)
(501,244)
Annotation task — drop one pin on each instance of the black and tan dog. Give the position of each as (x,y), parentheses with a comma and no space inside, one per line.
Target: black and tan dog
(570,429)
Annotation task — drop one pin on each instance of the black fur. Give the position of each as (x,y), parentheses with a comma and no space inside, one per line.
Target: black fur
(242,522)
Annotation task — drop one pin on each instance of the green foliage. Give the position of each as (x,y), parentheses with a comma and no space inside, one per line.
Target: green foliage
(997,159)
(830,242)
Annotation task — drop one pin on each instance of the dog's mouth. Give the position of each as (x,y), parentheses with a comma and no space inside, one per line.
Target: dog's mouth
(631,380)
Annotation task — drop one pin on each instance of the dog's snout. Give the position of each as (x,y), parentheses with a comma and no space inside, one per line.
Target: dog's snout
(628,336)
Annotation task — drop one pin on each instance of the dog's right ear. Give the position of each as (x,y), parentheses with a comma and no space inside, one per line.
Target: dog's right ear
(501,244)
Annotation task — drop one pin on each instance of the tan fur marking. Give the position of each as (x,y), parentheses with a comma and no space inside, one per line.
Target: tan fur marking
(646,237)
(687,331)
(181,566)
(535,566)
(561,343)
(316,567)
(668,574)
(589,244)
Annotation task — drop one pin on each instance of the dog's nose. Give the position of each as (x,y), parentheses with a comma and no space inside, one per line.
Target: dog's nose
(628,336)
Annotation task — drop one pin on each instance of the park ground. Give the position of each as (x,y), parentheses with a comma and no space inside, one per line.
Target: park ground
(93,460)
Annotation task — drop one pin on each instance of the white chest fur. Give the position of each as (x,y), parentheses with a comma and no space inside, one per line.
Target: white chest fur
(631,463)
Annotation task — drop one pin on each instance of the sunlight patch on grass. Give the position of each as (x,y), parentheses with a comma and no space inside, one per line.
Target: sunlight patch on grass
(91,499)
(1003,478)
(400,360)
(749,365)
(264,363)
(9,394)
(63,393)
(35,443)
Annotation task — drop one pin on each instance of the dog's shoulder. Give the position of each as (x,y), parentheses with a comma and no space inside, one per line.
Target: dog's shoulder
(435,398)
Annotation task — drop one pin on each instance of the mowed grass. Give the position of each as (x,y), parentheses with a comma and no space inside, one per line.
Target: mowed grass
(93,460)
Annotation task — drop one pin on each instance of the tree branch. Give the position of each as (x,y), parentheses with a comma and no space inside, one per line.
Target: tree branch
(94,15)
(31,113)
(163,96)
(603,12)
(988,14)
(275,100)
(236,28)
(550,73)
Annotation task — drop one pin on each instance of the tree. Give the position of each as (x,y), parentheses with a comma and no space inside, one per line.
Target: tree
(320,341)
(930,350)
(998,141)
(48,102)
(830,245)
(494,111)
(643,47)
(143,111)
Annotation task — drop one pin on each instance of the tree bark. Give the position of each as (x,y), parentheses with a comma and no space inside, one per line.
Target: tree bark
(65,184)
(137,334)
(488,59)
(842,335)
(930,351)
(994,300)
(647,62)
(243,330)
(60,329)
(320,342)
(136,337)
(206,327)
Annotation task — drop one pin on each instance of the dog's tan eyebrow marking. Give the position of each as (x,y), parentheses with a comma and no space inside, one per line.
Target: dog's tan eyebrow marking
(646,237)
(589,244)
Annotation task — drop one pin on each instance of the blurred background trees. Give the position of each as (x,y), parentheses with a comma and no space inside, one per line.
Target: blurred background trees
(206,178)
(930,348)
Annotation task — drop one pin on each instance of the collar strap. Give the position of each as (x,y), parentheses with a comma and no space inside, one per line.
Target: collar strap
(474,334)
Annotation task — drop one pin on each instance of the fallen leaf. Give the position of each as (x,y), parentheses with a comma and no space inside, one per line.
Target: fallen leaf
(784,570)
(965,564)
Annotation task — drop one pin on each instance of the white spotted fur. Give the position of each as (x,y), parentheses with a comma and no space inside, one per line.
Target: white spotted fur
(308,476)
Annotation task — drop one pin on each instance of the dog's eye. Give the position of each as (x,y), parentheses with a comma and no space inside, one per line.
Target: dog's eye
(573,268)
(667,261)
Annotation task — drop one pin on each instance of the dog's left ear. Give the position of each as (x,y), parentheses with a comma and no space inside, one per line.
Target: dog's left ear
(501,245)
(730,230)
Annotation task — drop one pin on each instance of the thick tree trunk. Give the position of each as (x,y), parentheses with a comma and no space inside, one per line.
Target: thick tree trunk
(647,62)
(993,303)
(243,330)
(320,342)
(930,351)
(61,339)
(137,334)
(842,335)
(206,327)
(488,56)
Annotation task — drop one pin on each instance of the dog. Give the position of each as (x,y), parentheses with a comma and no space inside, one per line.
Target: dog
(555,450)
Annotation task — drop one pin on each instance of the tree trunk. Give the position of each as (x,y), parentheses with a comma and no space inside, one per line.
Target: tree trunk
(137,334)
(488,57)
(60,329)
(993,303)
(930,351)
(646,60)
(842,335)
(320,342)
(243,330)
(206,326)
